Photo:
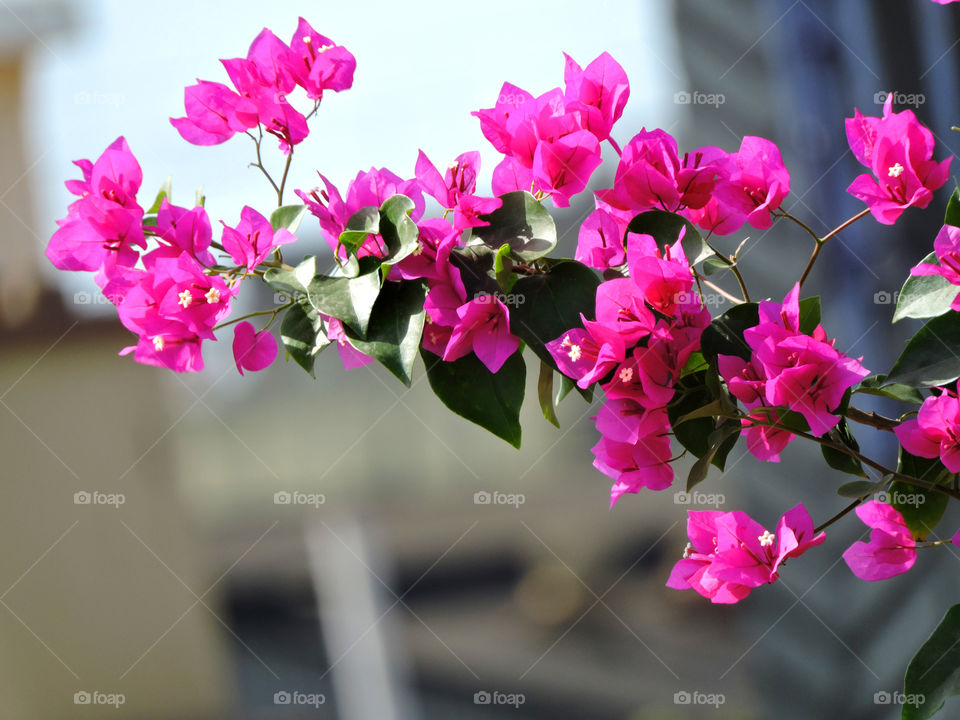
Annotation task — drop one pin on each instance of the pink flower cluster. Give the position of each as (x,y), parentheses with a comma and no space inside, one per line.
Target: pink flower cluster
(898,150)
(456,324)
(716,190)
(788,369)
(262,82)
(730,554)
(646,328)
(552,142)
(165,292)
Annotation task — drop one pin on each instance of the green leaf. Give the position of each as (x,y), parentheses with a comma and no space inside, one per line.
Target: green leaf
(839,460)
(931,356)
(695,363)
(862,488)
(665,228)
(503,269)
(399,232)
(163,194)
(713,265)
(396,325)
(546,306)
(490,400)
(567,384)
(719,444)
(921,508)
(874,385)
(695,434)
(292,283)
(348,299)
(288,216)
(952,216)
(523,223)
(925,296)
(934,673)
(301,333)
(710,410)
(363,223)
(545,393)
(809,314)
(724,336)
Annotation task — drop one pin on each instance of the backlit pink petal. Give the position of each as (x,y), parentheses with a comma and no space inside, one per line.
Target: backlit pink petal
(252,350)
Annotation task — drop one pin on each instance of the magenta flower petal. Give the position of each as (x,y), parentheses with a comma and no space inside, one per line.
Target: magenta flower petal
(891,550)
(252,350)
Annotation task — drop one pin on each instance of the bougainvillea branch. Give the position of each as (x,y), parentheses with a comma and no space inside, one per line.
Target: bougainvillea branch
(475,291)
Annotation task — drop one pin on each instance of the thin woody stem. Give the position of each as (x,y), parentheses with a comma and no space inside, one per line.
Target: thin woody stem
(732,298)
(820,242)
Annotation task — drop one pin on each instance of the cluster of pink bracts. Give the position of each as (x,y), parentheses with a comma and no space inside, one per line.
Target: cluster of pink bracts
(159,271)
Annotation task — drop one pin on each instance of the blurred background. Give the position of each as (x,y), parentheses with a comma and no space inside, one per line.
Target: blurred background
(211,547)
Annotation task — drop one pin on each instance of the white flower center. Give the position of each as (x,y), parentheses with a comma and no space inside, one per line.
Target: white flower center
(766,540)
(158,344)
(895,170)
(626,375)
(213,295)
(185,299)
(687,550)
(574,352)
